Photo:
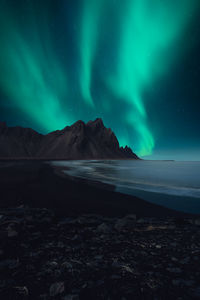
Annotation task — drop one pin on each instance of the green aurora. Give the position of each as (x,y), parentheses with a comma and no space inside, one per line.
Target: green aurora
(91,14)
(145,55)
(26,69)
(36,80)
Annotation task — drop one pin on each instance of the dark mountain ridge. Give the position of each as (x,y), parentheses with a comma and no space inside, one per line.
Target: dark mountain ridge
(81,140)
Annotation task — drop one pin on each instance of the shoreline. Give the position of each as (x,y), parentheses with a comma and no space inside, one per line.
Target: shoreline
(37,184)
(69,239)
(139,194)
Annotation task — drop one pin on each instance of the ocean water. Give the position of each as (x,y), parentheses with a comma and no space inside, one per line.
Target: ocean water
(169,183)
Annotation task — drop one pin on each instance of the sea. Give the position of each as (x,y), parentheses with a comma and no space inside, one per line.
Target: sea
(173,184)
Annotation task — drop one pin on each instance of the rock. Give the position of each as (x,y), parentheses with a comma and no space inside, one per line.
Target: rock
(22,290)
(127,222)
(196,293)
(9,264)
(103,228)
(182,282)
(174,259)
(68,266)
(56,289)
(98,257)
(197,222)
(52,264)
(11,232)
(184,261)
(77,239)
(131,217)
(127,269)
(71,297)
(174,270)
(141,221)
(117,264)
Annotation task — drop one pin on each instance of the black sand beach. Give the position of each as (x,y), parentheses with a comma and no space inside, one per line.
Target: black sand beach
(67,239)
(37,184)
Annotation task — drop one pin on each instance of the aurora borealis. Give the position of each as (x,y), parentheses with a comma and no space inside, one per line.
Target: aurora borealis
(134,63)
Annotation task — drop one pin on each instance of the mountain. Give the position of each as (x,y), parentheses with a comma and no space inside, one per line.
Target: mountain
(90,140)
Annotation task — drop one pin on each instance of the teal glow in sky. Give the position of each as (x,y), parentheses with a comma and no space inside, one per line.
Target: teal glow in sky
(150,30)
(90,26)
(60,62)
(31,75)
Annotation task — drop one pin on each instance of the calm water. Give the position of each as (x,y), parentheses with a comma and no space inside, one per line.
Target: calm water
(172,184)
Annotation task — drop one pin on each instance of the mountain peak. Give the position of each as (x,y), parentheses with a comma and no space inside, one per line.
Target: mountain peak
(97,123)
(78,141)
(78,124)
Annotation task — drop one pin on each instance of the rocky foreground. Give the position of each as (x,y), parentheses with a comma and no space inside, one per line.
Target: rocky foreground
(93,257)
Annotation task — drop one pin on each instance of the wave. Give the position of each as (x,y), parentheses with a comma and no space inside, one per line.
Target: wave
(170,178)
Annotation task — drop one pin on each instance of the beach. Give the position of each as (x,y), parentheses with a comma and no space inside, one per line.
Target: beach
(38,184)
(69,239)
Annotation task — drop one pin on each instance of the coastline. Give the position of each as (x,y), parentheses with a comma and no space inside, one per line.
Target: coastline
(37,184)
(65,238)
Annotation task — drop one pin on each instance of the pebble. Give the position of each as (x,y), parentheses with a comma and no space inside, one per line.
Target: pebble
(56,289)
(93,257)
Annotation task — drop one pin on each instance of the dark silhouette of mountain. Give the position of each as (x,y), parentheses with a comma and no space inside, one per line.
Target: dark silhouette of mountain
(79,141)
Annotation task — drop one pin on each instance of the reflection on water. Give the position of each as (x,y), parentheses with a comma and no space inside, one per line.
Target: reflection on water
(172,184)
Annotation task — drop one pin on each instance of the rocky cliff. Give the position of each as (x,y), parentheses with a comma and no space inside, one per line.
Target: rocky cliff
(90,140)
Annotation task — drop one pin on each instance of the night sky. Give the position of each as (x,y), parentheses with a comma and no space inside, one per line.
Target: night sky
(133,63)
